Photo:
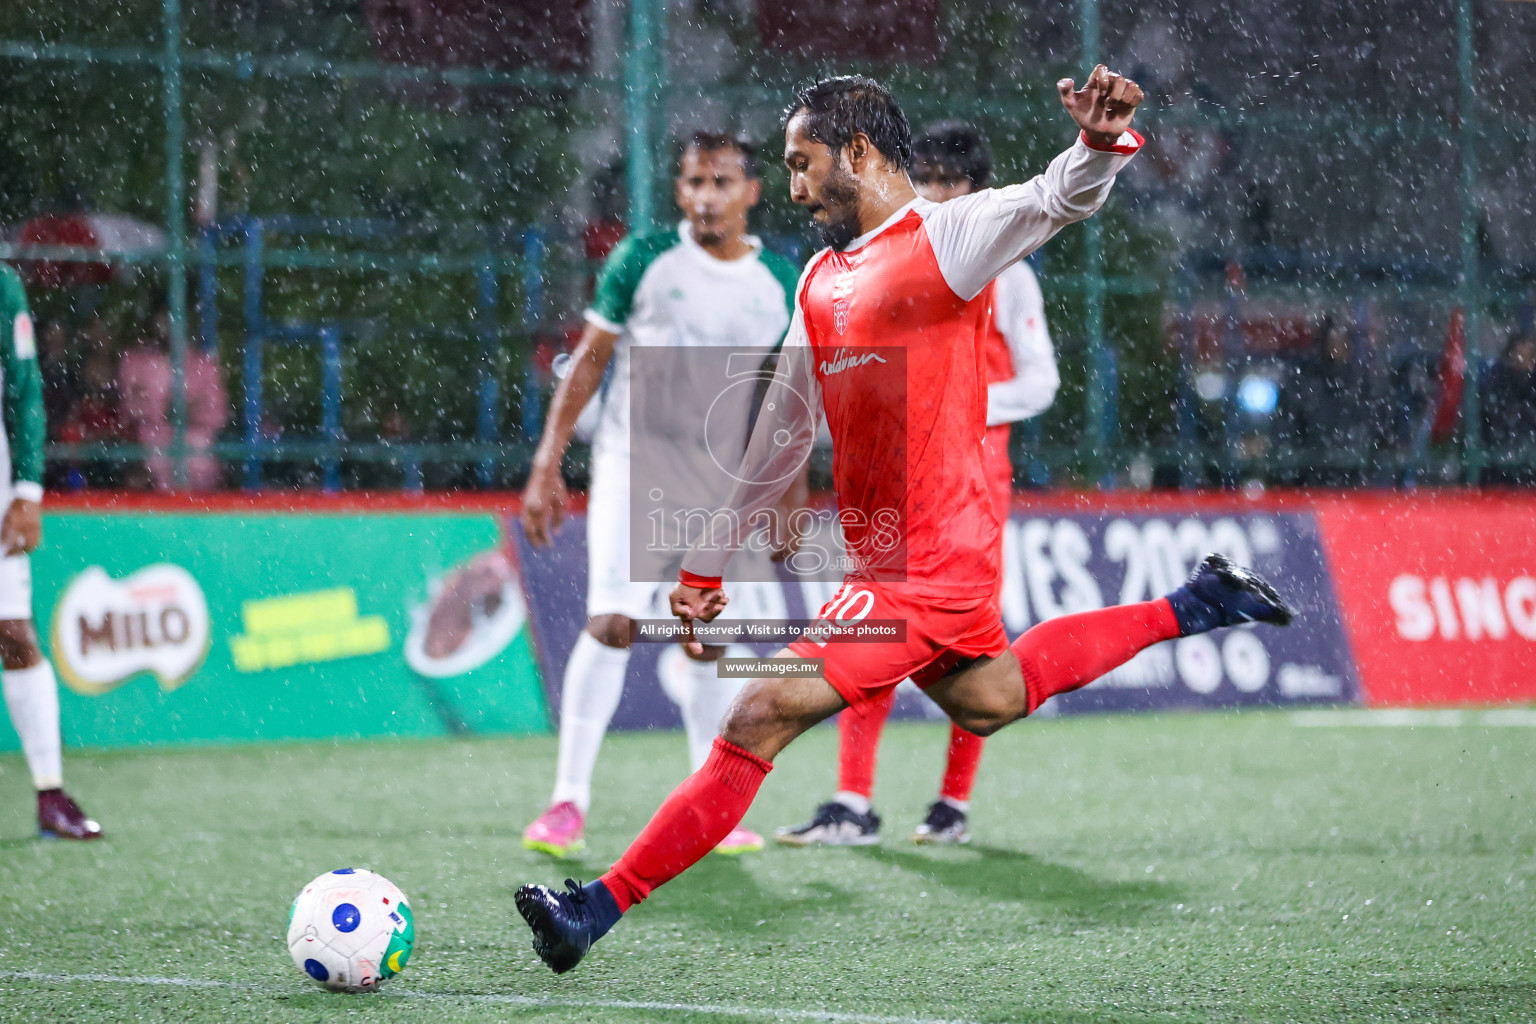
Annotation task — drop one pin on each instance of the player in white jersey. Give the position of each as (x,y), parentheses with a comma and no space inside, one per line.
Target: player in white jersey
(949,160)
(704,283)
(31,692)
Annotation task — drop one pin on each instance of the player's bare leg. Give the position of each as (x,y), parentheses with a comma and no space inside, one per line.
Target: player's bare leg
(32,698)
(984,695)
(767,716)
(771,713)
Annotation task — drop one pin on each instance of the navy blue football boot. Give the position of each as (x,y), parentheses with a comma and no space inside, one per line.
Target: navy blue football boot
(1219,593)
(565,924)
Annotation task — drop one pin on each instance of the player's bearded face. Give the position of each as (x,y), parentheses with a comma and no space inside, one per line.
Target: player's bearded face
(821,181)
(838,198)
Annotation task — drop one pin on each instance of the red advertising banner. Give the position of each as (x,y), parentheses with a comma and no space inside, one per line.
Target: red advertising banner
(1438,594)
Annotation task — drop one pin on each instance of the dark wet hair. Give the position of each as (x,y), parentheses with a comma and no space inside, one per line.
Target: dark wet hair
(840,108)
(955,146)
(711,142)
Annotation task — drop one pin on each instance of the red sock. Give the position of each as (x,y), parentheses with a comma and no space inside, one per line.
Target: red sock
(1065,653)
(859,732)
(960,766)
(689,823)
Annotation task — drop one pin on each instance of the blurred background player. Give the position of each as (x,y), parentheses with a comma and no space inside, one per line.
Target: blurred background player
(949,160)
(31,692)
(704,282)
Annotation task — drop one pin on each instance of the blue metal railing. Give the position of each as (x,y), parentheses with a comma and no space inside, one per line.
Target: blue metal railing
(523,249)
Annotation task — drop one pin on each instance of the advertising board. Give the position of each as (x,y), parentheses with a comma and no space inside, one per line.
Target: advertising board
(199,627)
(1054,563)
(1439,595)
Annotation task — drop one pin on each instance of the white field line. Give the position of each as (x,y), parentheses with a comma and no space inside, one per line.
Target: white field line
(707,1009)
(1414,717)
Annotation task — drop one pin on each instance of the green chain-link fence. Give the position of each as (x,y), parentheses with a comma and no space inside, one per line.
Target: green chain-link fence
(382,228)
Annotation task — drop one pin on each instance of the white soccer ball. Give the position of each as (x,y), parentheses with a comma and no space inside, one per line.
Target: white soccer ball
(350,930)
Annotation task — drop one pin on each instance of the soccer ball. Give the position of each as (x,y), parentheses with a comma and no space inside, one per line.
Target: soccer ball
(350,930)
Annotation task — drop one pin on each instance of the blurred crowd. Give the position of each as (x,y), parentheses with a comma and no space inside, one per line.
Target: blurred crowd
(1509,411)
(98,388)
(1309,401)
(1340,408)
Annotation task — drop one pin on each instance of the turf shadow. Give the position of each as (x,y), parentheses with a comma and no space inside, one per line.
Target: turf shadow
(998,873)
(724,894)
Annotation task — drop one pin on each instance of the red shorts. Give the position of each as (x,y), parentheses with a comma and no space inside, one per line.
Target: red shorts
(940,634)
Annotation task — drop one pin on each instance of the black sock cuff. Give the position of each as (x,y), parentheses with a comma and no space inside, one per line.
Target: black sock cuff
(605,909)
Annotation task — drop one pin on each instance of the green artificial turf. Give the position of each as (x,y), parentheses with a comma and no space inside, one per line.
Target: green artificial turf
(1163,868)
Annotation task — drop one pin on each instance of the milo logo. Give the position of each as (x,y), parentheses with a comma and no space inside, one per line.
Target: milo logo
(106,631)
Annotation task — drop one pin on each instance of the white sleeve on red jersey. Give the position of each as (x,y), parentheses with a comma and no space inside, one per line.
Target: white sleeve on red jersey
(1018,309)
(974,237)
(780,444)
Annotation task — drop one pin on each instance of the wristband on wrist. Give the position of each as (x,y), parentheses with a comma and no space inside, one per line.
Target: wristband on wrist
(1116,148)
(701,582)
(28,490)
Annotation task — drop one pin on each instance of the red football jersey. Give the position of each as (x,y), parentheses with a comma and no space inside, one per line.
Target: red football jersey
(887,343)
(898,357)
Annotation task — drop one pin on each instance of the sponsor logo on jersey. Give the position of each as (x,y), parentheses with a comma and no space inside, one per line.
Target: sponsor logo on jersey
(845,360)
(106,631)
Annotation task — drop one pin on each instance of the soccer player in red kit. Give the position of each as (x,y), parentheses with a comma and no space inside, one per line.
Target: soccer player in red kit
(886,344)
(949,160)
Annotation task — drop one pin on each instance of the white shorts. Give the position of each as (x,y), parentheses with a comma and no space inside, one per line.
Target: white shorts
(609,588)
(610,591)
(15,588)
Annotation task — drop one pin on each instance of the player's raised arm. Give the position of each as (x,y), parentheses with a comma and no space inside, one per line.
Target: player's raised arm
(545,496)
(1103,107)
(976,236)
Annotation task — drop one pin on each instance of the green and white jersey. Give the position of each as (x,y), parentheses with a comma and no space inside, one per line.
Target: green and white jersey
(21,395)
(664,289)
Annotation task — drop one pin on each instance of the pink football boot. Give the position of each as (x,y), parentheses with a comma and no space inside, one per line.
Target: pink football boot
(741,840)
(558,832)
